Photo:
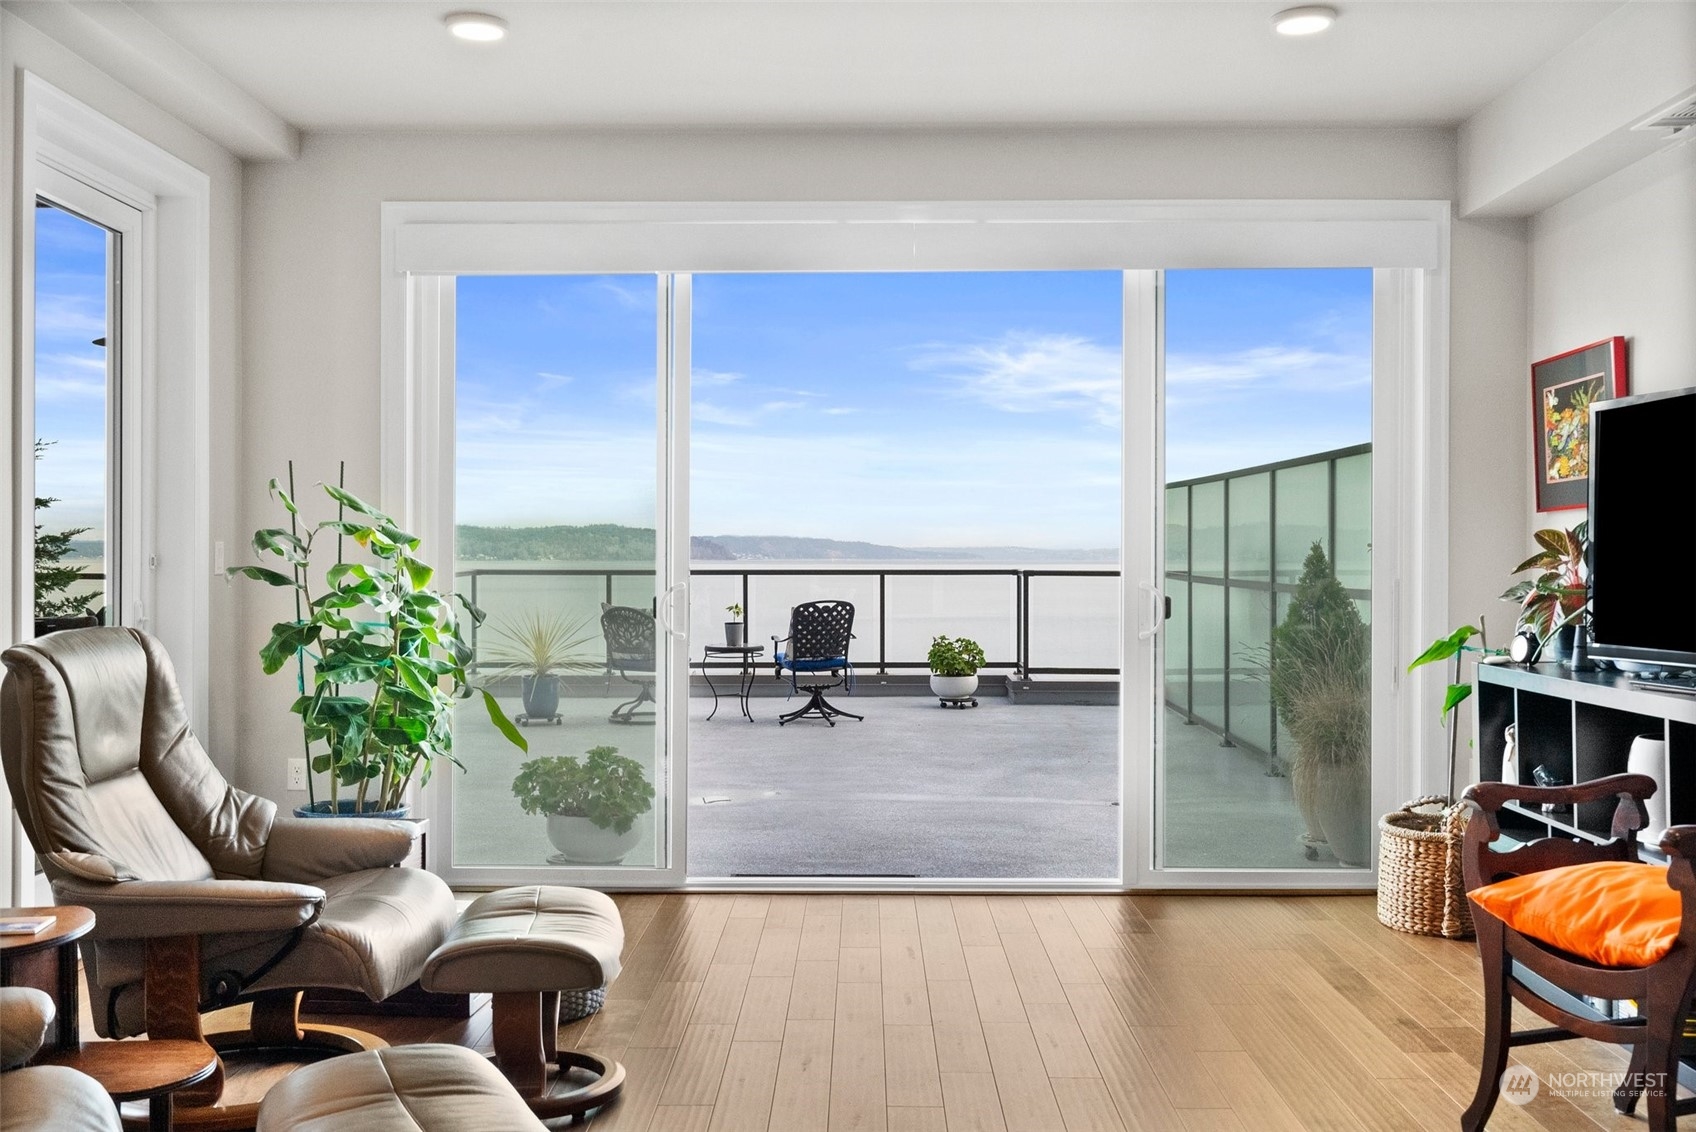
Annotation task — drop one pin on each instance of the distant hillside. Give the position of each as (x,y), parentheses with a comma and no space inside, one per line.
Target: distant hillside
(599,542)
(610,542)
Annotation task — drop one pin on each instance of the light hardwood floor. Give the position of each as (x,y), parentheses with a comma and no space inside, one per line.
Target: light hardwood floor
(1070,1013)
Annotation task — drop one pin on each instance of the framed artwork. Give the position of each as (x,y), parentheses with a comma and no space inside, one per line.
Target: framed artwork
(1562,390)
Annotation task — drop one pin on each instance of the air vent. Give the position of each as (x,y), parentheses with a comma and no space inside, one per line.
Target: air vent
(1678,117)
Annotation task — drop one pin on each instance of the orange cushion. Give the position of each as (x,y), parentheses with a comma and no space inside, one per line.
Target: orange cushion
(1615,913)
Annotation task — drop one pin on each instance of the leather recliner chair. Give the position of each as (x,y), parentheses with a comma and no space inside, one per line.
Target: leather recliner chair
(204,895)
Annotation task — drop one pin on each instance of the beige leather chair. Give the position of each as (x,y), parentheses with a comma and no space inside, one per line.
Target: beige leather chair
(47,1098)
(205,895)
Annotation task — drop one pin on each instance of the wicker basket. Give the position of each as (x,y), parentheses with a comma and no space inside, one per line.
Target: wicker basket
(1420,886)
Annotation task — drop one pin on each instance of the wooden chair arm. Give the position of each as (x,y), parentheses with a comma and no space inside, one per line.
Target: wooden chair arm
(1679,841)
(1492,796)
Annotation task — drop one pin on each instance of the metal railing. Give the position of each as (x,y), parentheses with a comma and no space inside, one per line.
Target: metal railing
(1022,614)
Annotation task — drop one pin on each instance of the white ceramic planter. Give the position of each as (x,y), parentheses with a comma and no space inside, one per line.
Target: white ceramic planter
(953,687)
(581,841)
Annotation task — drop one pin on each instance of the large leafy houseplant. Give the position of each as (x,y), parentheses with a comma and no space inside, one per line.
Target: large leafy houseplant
(605,787)
(384,651)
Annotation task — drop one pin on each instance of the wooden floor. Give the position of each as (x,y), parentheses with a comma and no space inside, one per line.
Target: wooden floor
(1071,1013)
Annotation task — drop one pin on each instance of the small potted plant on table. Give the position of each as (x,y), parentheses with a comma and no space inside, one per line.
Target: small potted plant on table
(735,632)
(954,664)
(591,805)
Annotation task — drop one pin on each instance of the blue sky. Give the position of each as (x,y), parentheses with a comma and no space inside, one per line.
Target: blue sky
(911,409)
(70,371)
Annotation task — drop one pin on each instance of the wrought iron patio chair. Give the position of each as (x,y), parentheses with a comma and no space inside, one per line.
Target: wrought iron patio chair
(819,633)
(631,653)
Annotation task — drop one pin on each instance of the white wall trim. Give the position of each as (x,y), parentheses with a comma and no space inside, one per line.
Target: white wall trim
(58,133)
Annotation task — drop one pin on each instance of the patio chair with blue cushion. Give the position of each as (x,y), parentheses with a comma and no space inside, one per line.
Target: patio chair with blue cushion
(630,653)
(819,632)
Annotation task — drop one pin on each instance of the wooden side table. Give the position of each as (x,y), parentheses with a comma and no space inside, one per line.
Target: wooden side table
(143,1069)
(48,962)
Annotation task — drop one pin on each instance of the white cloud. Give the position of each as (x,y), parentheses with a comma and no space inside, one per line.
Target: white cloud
(839,411)
(1034,373)
(70,316)
(708,412)
(552,380)
(68,377)
(702,377)
(1264,368)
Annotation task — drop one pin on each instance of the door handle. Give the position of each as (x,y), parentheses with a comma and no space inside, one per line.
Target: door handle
(1152,613)
(667,607)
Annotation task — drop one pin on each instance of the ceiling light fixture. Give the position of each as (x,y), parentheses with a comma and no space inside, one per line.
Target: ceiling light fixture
(1309,20)
(478,27)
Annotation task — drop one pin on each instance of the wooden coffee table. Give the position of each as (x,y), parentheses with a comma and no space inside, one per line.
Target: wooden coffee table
(48,962)
(142,1069)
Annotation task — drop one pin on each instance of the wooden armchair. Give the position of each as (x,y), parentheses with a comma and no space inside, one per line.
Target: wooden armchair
(1663,990)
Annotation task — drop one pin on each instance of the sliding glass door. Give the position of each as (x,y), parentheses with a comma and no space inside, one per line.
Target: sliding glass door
(561,538)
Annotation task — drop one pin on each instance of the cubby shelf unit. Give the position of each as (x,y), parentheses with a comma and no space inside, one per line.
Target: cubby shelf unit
(1580,726)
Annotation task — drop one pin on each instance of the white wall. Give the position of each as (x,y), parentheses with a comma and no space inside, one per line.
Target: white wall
(310,286)
(23,48)
(1620,258)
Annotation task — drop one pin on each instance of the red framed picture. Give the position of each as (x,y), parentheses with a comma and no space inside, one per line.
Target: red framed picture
(1562,390)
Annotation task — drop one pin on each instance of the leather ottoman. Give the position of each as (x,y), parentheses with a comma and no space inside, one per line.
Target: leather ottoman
(523,946)
(421,1088)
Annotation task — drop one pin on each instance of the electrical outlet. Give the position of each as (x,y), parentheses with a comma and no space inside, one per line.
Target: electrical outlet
(297,774)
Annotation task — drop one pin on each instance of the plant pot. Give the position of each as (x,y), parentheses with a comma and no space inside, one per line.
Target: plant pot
(734,634)
(1341,804)
(1305,787)
(344,809)
(541,696)
(582,842)
(1561,645)
(954,687)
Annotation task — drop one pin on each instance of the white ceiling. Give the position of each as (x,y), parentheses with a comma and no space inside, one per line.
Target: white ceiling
(348,64)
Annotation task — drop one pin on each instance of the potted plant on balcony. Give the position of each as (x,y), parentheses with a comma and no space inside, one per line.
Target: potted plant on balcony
(954,664)
(537,649)
(1320,675)
(591,805)
(379,658)
(735,632)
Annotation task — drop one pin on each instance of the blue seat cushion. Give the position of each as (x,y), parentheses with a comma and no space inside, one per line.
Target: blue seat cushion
(824,664)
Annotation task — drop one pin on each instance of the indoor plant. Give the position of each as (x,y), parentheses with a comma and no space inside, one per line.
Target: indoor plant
(591,805)
(1553,602)
(954,664)
(380,643)
(1320,684)
(537,648)
(734,630)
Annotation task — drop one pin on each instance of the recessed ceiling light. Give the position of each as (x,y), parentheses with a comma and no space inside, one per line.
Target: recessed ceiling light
(1309,20)
(479,27)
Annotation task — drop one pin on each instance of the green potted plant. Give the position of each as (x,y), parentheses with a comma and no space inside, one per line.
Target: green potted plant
(378,655)
(591,805)
(1320,671)
(954,664)
(537,648)
(1552,603)
(734,630)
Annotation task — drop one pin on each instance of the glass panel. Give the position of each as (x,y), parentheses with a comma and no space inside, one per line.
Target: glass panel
(1251,638)
(1207,529)
(1354,521)
(1304,515)
(1177,529)
(555,503)
(1177,647)
(1271,369)
(75,551)
(868,437)
(1251,527)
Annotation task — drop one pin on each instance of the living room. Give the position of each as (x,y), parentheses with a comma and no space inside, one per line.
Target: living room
(311,180)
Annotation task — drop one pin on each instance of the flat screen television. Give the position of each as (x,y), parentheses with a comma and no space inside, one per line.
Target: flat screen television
(1643,528)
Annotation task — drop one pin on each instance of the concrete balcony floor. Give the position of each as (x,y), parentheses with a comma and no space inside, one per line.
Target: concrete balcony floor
(1005,790)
